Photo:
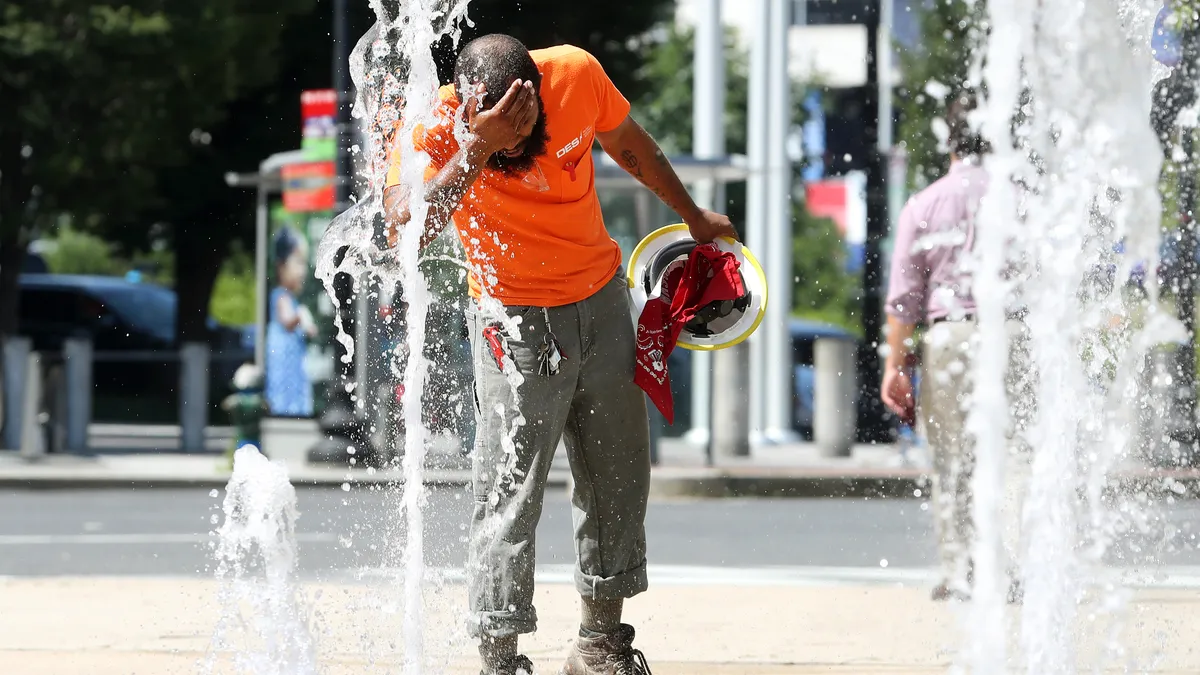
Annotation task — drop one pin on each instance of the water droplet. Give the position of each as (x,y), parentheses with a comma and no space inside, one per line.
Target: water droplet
(883,563)
(213,493)
(917,492)
(214,519)
(345,487)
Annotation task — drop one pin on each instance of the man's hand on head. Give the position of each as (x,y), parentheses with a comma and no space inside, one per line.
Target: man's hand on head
(707,225)
(505,125)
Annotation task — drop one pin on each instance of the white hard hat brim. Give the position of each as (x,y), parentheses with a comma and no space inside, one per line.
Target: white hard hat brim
(752,274)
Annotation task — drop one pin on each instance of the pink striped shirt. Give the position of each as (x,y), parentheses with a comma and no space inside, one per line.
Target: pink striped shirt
(930,276)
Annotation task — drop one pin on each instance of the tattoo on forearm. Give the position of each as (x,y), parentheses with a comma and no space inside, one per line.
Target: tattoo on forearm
(632,164)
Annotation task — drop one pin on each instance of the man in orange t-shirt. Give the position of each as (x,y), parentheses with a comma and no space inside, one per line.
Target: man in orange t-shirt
(551,330)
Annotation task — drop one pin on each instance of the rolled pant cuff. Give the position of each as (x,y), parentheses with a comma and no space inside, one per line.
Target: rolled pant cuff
(618,587)
(502,624)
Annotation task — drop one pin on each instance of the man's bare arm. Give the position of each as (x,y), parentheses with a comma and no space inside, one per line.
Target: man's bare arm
(444,193)
(638,153)
(900,343)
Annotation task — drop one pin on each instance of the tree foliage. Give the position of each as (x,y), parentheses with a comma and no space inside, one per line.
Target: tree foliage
(942,61)
(75,252)
(665,109)
(822,290)
(232,301)
(101,97)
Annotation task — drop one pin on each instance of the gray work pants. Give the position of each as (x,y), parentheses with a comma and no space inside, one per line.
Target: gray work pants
(593,405)
(945,399)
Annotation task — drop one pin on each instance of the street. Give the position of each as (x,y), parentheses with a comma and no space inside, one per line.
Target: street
(803,586)
(167,532)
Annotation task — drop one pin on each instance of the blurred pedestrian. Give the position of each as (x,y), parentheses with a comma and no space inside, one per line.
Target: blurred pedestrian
(931,286)
(553,323)
(290,325)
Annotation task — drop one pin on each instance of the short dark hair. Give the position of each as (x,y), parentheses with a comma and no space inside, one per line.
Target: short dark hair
(963,140)
(497,61)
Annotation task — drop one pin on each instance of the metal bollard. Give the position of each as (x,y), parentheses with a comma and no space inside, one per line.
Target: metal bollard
(77,353)
(16,359)
(33,433)
(731,396)
(835,416)
(193,396)
(54,406)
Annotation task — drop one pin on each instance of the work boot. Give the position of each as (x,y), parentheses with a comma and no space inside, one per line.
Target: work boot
(944,591)
(513,665)
(611,654)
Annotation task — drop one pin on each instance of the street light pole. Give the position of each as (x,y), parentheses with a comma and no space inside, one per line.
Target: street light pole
(758,143)
(877,144)
(341,85)
(708,142)
(341,425)
(778,394)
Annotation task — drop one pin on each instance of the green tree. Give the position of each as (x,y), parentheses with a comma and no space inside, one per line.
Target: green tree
(665,109)
(950,38)
(822,290)
(75,252)
(233,292)
(100,96)
(78,93)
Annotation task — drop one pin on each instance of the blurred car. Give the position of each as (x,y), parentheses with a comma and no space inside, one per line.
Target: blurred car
(123,317)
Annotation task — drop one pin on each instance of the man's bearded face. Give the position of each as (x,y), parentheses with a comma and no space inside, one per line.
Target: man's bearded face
(520,159)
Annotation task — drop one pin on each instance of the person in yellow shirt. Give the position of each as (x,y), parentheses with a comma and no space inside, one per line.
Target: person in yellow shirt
(520,188)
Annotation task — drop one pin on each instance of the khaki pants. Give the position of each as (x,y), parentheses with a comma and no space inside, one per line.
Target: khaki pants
(945,399)
(595,407)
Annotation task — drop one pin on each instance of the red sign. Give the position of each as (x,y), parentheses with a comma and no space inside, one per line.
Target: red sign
(318,103)
(308,187)
(827,199)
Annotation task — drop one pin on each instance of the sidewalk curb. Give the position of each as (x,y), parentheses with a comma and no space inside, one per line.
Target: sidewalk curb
(49,483)
(664,484)
(728,485)
(1176,484)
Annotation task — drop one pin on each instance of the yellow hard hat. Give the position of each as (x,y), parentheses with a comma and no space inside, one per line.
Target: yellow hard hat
(718,325)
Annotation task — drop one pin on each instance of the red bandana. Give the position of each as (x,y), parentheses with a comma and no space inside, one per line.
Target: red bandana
(709,275)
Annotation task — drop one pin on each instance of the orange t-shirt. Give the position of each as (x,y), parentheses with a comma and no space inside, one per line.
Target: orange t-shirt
(539,238)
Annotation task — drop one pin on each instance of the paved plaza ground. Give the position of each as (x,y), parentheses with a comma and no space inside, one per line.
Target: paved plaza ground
(161,626)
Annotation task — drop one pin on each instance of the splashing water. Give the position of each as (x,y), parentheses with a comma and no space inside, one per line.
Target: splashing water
(256,563)
(1075,169)
(396,86)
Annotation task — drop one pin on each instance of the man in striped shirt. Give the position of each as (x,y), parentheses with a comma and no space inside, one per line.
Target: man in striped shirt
(930,285)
